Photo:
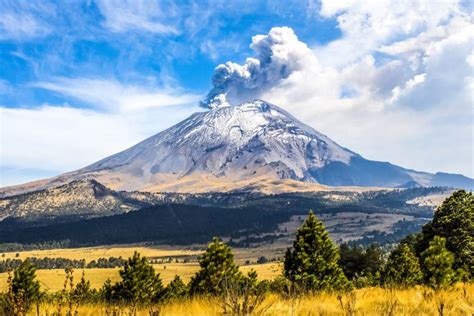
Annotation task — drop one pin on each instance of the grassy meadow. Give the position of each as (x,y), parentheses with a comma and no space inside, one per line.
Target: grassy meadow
(94,253)
(52,279)
(368,301)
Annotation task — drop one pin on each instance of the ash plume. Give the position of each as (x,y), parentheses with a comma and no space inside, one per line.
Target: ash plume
(276,56)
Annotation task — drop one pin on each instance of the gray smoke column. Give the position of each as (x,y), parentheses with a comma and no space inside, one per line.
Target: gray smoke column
(277,55)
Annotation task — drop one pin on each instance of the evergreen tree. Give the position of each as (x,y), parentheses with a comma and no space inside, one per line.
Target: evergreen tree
(106,293)
(217,270)
(313,264)
(454,220)
(402,268)
(361,264)
(175,289)
(25,288)
(351,259)
(83,293)
(140,284)
(437,264)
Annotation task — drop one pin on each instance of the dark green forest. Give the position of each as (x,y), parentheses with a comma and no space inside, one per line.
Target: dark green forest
(197,218)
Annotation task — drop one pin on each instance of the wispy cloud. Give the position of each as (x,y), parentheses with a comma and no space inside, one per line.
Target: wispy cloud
(141,15)
(21,21)
(111,95)
(58,139)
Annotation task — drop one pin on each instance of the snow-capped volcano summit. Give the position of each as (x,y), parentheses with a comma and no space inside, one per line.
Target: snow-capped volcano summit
(253,140)
(234,142)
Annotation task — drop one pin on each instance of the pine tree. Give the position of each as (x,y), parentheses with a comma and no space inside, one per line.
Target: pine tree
(402,268)
(361,265)
(454,220)
(83,293)
(140,284)
(217,270)
(25,288)
(437,264)
(106,293)
(313,262)
(175,289)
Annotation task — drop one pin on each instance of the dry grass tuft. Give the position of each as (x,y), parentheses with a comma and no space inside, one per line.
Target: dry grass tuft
(369,301)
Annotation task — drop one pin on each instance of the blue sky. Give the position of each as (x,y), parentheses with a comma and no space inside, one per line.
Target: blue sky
(80,80)
(84,39)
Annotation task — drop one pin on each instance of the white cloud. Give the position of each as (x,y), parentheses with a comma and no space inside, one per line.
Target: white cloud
(142,15)
(366,25)
(54,139)
(19,21)
(396,87)
(60,139)
(5,87)
(111,95)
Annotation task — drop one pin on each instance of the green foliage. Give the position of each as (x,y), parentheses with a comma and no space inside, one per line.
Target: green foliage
(244,295)
(437,264)
(175,289)
(140,285)
(361,264)
(23,291)
(248,215)
(83,293)
(454,220)
(313,263)
(106,293)
(280,285)
(412,241)
(262,260)
(25,284)
(217,270)
(402,268)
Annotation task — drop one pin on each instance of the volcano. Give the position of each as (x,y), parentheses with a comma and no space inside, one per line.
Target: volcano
(251,142)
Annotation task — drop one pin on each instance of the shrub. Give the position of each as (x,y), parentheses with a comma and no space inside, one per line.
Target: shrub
(175,289)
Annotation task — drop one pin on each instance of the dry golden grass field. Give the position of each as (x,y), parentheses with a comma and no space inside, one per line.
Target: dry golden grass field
(52,280)
(370,302)
(94,253)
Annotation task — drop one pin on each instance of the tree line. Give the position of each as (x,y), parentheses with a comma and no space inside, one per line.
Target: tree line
(62,263)
(440,255)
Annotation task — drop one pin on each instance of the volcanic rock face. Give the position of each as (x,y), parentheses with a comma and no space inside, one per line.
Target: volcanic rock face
(234,144)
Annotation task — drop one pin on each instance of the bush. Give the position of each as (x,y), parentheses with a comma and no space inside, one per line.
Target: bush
(175,289)
(244,296)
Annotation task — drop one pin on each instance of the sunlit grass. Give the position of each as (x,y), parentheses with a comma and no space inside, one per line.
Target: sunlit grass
(369,301)
(52,280)
(94,253)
